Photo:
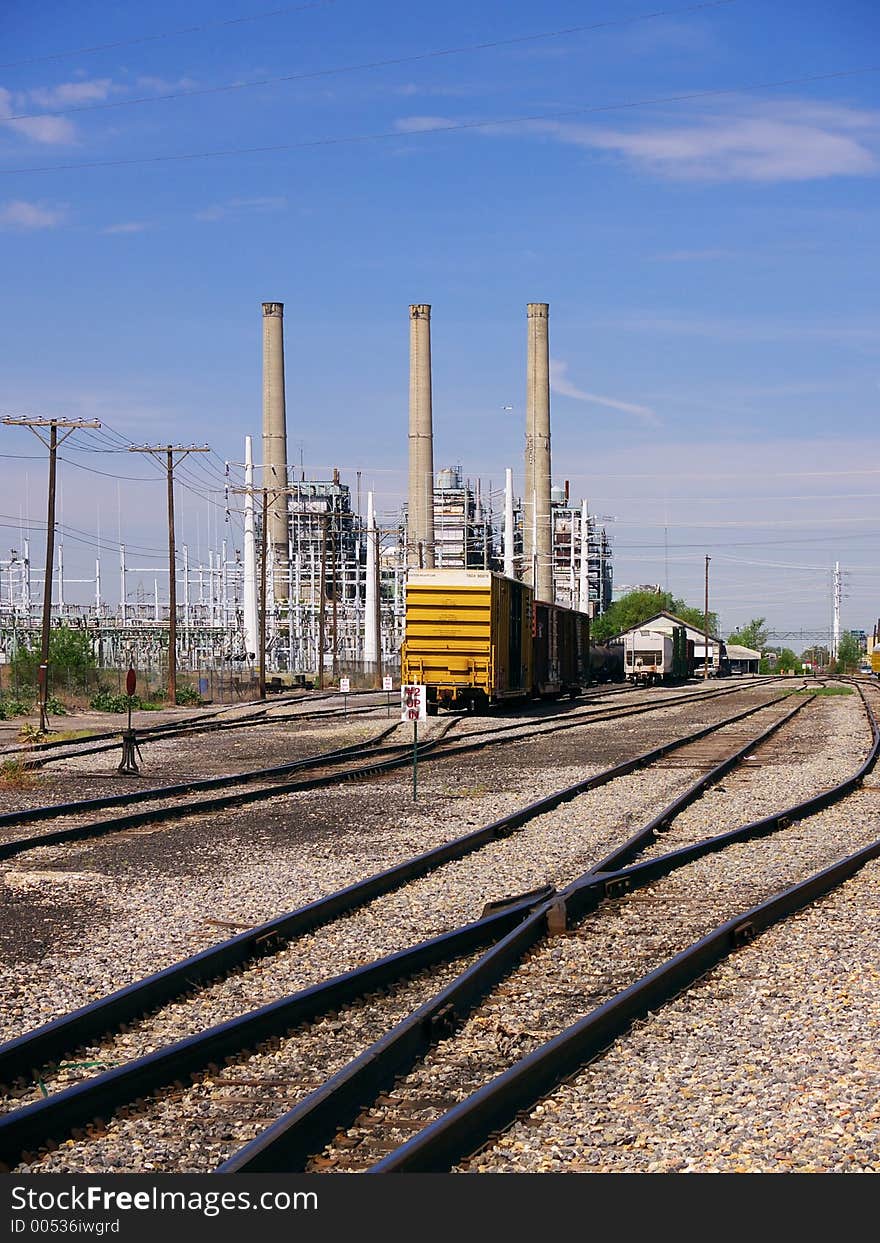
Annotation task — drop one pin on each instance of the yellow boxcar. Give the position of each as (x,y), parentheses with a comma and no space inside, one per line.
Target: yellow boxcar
(875,660)
(468,637)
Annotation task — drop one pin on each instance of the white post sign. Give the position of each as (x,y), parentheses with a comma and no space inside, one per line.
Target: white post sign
(413,703)
(345,685)
(388,682)
(414,707)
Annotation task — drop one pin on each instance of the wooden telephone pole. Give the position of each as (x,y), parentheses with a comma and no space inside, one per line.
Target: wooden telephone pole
(71,425)
(169,451)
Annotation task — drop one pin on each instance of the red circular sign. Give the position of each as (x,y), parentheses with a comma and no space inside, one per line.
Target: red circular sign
(130,682)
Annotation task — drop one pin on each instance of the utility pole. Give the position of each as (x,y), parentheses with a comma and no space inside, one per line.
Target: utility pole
(169,451)
(71,425)
(264,558)
(706,623)
(838,595)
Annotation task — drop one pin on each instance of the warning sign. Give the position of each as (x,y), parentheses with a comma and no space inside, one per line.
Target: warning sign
(413,703)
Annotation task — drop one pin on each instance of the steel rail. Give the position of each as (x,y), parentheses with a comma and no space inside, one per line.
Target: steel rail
(116,824)
(52,811)
(27,1128)
(288,1143)
(470,1125)
(43,1121)
(168,729)
(101,828)
(20,1056)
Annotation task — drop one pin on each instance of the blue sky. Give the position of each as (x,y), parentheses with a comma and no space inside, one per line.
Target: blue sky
(694,193)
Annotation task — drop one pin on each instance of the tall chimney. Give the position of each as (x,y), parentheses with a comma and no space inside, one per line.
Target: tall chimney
(537,534)
(420,519)
(275,440)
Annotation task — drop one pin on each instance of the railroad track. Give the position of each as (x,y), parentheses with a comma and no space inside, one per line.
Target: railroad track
(28,1130)
(179,801)
(37,755)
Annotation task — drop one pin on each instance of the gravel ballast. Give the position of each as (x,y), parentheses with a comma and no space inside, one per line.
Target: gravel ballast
(252,869)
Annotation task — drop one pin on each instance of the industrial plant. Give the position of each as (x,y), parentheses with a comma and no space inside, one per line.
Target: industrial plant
(317,588)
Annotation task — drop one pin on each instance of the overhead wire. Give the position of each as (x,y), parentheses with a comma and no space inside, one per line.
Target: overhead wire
(169,34)
(387,63)
(452,128)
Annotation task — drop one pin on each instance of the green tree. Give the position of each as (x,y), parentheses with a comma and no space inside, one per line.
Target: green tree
(753,635)
(788,661)
(637,606)
(71,657)
(849,654)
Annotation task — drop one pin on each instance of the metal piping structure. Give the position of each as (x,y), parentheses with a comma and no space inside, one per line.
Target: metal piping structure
(537,534)
(275,440)
(420,516)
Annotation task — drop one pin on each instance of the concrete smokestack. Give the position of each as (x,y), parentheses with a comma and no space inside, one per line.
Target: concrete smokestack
(537,534)
(420,523)
(275,440)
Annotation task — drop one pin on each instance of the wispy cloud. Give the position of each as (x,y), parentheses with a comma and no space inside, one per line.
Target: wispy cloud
(19,214)
(560,383)
(413,125)
(56,130)
(129,226)
(745,140)
(165,85)
(233,207)
(698,256)
(69,94)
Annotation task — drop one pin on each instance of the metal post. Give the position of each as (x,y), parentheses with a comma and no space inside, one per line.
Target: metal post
(264,552)
(415,760)
(172,584)
(706,623)
(321,602)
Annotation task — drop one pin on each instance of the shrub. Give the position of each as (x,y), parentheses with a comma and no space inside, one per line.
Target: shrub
(15,775)
(109,701)
(188,695)
(12,707)
(55,706)
(70,657)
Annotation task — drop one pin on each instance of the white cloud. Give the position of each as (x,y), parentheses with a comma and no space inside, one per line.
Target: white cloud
(19,214)
(698,256)
(41,129)
(559,383)
(165,85)
(130,226)
(219,211)
(414,125)
(745,140)
(68,94)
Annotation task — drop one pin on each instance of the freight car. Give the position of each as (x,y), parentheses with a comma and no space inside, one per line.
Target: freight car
(475,638)
(652,656)
(606,662)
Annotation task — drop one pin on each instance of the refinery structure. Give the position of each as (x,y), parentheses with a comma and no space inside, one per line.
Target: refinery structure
(318,580)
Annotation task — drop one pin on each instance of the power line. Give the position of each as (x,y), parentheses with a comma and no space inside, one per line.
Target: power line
(169,34)
(459,127)
(390,62)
